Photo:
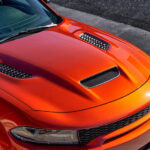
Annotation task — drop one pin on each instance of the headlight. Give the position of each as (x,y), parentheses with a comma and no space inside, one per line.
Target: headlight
(45,136)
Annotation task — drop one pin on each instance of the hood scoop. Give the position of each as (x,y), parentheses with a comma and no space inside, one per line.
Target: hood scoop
(94,41)
(13,72)
(101,78)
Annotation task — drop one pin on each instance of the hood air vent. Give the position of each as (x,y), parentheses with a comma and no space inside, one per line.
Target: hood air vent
(94,41)
(13,72)
(101,78)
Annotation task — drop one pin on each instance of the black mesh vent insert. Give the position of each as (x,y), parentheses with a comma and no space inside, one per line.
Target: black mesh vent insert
(94,41)
(13,72)
(101,78)
(86,136)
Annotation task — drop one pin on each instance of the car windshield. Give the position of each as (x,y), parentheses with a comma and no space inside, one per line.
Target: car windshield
(20,15)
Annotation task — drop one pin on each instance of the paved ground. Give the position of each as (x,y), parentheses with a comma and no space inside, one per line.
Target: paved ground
(137,36)
(132,12)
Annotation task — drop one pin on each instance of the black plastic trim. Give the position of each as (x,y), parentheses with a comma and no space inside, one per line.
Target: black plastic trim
(101,78)
(94,41)
(86,135)
(13,72)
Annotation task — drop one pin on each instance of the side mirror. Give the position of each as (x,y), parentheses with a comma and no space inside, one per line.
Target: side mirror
(47,1)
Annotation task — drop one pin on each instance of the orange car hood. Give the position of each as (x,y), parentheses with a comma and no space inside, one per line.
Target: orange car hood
(59,60)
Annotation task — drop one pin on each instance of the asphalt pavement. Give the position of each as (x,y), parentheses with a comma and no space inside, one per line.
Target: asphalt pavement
(132,12)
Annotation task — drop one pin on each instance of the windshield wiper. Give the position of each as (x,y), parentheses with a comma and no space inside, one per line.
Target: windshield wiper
(28,31)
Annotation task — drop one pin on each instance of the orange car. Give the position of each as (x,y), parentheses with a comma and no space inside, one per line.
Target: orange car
(65,85)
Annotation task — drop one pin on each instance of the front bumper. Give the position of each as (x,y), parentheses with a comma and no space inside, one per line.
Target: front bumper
(134,144)
(133,140)
(112,112)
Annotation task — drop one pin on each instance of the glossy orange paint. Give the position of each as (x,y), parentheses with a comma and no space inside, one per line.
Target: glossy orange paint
(54,97)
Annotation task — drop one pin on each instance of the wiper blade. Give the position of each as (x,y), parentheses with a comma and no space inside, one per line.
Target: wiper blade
(30,30)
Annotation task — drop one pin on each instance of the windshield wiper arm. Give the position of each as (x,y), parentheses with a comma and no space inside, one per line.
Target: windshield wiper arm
(30,30)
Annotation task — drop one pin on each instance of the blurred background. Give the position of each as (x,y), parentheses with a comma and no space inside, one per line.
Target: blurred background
(128,19)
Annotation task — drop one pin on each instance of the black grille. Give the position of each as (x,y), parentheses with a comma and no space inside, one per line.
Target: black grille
(101,78)
(13,72)
(94,41)
(86,135)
